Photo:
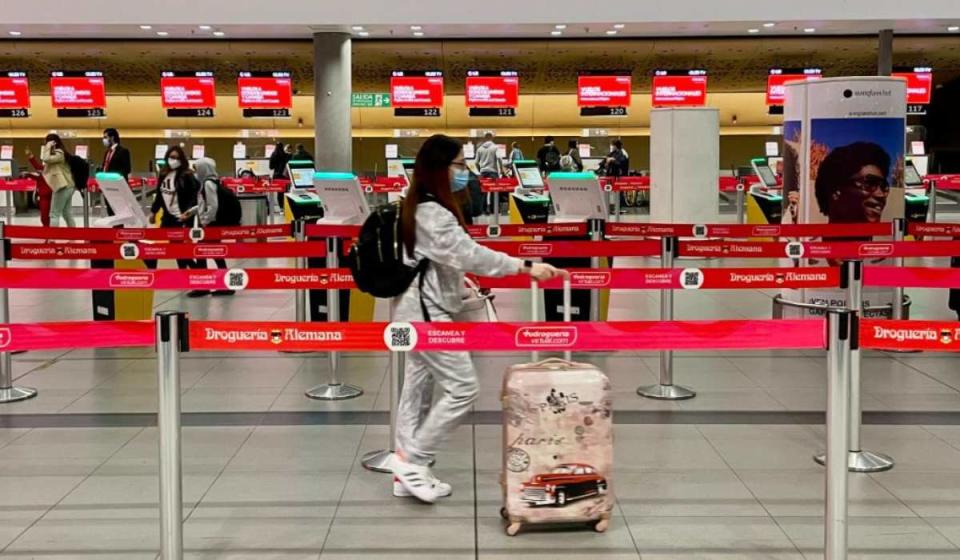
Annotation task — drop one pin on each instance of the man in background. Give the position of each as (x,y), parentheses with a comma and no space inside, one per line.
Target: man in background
(548,156)
(488,162)
(116,159)
(302,154)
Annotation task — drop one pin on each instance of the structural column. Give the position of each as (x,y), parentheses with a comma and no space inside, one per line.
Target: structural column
(885,52)
(333,131)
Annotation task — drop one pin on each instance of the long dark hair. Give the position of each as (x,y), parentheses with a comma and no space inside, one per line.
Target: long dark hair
(184,168)
(431,182)
(57,143)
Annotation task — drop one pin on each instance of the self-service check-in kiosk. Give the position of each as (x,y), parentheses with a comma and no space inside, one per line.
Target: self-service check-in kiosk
(121,305)
(528,204)
(917,201)
(765,199)
(578,197)
(343,202)
(300,199)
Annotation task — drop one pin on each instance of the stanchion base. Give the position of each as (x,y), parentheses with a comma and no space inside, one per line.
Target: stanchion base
(334,392)
(14,394)
(666,392)
(378,461)
(863,461)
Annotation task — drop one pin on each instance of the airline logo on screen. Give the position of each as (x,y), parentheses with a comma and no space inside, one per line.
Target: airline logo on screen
(188,92)
(493,91)
(78,92)
(265,92)
(14,91)
(604,91)
(417,91)
(686,90)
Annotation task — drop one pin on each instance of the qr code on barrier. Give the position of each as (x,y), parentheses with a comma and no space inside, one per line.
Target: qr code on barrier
(129,251)
(691,278)
(400,337)
(236,279)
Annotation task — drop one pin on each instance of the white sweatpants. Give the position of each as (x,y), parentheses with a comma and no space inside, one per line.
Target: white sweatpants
(422,428)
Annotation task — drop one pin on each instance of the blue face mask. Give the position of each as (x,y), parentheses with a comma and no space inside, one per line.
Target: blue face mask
(460,179)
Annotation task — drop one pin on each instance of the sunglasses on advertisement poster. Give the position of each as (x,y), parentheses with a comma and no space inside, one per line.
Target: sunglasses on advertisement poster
(869,184)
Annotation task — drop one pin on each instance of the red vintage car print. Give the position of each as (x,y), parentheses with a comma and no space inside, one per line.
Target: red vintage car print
(564,484)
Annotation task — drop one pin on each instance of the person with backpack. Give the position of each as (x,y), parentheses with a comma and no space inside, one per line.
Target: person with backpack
(176,197)
(56,172)
(617,162)
(548,156)
(217,206)
(573,151)
(434,241)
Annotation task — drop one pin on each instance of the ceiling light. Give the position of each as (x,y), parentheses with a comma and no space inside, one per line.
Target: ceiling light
(560,26)
(754,30)
(357,28)
(219,33)
(611,31)
(15,33)
(418,33)
(809,29)
(162,33)
(146,27)
(364,33)
(618,26)
(556,33)
(769,24)
(415,28)
(953,28)
(205,28)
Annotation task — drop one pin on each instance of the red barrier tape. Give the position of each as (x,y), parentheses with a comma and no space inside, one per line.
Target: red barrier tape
(18,185)
(945,182)
(528,230)
(911,277)
(675,279)
(817,250)
(332,230)
(133,251)
(938,336)
(15,337)
(748,230)
(238,279)
(576,248)
(504,184)
(625,184)
(584,337)
(945,230)
(383,184)
(140,234)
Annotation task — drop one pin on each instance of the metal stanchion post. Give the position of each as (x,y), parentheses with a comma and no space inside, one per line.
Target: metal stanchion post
(596,234)
(335,390)
(534,312)
(8,393)
(899,227)
(172,336)
(859,460)
(741,202)
(496,207)
(842,340)
(616,203)
(665,389)
(380,460)
(300,296)
(567,311)
(933,201)
(8,213)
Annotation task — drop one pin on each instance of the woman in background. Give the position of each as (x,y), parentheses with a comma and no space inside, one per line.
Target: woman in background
(44,193)
(176,197)
(56,172)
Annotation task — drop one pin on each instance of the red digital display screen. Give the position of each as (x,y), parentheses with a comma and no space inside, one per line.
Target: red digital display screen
(188,90)
(272,90)
(919,84)
(14,90)
(687,88)
(778,78)
(499,90)
(597,90)
(82,90)
(416,90)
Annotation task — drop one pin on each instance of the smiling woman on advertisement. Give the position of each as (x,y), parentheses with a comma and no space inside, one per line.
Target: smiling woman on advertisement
(432,231)
(853,184)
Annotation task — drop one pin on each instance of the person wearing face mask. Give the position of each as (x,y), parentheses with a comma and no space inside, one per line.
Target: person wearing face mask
(618,162)
(432,230)
(56,172)
(116,159)
(176,196)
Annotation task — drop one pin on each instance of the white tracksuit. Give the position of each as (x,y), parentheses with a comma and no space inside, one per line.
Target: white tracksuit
(451,252)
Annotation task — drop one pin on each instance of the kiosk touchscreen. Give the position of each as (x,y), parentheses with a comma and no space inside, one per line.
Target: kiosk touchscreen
(764,202)
(300,173)
(126,207)
(342,198)
(577,197)
(915,194)
(527,173)
(766,174)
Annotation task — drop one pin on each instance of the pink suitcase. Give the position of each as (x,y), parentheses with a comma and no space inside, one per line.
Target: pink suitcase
(558,445)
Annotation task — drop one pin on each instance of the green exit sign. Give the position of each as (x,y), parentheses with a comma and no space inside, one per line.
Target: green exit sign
(370,100)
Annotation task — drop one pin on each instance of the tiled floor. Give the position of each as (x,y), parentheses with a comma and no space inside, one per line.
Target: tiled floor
(737,483)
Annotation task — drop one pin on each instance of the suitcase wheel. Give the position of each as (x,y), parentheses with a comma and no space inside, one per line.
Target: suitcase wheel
(513,529)
(601,526)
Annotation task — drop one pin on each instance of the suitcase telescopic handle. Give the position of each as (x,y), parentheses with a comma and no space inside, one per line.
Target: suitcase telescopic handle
(548,362)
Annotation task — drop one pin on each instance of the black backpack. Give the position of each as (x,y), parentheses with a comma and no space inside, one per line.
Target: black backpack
(376,259)
(551,159)
(229,212)
(80,170)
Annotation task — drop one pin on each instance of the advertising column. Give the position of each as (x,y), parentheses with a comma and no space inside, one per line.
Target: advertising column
(843,163)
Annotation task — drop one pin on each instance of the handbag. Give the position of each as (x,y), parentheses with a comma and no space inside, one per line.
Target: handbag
(477,306)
